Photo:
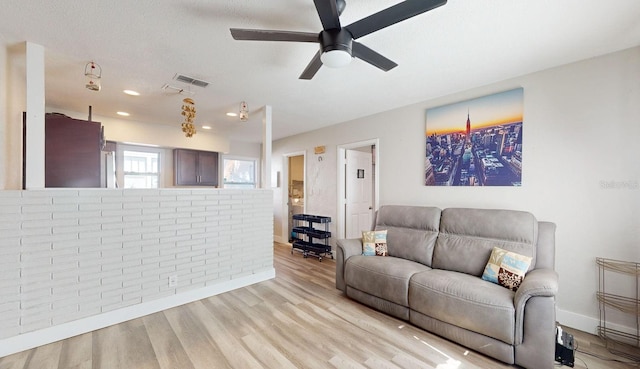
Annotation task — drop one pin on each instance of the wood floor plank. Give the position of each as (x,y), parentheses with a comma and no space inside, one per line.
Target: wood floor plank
(296,320)
(232,312)
(135,349)
(76,352)
(409,362)
(289,295)
(232,348)
(300,354)
(268,355)
(327,343)
(361,346)
(376,363)
(16,361)
(344,362)
(105,348)
(246,296)
(592,353)
(389,333)
(198,345)
(45,357)
(169,351)
(296,339)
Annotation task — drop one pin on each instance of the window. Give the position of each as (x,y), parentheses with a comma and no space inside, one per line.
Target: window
(239,173)
(138,166)
(140,169)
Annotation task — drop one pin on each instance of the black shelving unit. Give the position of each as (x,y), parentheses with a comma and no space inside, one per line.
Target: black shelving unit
(309,240)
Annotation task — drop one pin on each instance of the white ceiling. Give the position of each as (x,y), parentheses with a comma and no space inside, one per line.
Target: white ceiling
(142,44)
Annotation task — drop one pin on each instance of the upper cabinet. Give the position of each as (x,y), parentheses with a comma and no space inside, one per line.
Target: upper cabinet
(72,152)
(195,168)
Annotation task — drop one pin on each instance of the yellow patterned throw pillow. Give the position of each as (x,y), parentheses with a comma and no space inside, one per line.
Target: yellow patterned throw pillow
(506,268)
(374,243)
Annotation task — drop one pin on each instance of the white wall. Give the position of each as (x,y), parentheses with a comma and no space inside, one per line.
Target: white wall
(167,137)
(137,132)
(13,102)
(4,113)
(245,149)
(580,167)
(76,260)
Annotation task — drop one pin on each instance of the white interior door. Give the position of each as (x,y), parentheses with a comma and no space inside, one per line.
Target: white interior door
(359,197)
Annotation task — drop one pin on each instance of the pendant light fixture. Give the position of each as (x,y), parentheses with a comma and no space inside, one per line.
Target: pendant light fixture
(189,113)
(244,111)
(93,72)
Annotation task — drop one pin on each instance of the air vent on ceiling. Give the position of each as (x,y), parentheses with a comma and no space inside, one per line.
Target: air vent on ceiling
(191,80)
(179,90)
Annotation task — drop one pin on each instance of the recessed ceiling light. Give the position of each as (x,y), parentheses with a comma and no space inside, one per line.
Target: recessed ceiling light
(232,114)
(123,113)
(131,92)
(206,127)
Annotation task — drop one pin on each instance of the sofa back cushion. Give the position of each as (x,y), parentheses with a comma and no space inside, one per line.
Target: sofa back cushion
(411,231)
(467,237)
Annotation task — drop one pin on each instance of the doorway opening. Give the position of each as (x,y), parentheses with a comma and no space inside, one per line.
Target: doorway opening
(358,183)
(294,190)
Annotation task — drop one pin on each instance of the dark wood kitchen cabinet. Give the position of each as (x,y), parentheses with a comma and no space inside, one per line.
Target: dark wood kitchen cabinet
(195,168)
(72,152)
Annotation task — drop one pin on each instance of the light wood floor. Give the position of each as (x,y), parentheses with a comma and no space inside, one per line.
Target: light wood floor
(297,320)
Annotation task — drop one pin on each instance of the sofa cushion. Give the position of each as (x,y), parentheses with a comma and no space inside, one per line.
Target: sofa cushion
(374,243)
(386,278)
(506,268)
(411,231)
(465,301)
(467,237)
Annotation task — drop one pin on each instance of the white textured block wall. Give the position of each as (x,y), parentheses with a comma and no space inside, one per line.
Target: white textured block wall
(69,254)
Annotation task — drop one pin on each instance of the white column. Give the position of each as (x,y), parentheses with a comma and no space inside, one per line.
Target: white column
(266,147)
(35,117)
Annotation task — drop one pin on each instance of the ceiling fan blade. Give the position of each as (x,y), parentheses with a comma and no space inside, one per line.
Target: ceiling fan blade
(270,35)
(362,52)
(313,67)
(392,15)
(328,12)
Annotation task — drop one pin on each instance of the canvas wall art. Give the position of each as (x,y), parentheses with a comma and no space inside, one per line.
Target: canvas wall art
(476,142)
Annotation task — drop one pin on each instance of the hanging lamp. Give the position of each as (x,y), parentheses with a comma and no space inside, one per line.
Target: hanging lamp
(189,113)
(93,72)
(244,111)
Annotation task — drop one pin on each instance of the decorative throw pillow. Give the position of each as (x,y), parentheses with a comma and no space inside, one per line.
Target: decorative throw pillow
(506,268)
(374,243)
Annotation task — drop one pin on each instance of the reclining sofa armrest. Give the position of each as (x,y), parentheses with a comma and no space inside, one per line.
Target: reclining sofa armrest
(345,248)
(537,283)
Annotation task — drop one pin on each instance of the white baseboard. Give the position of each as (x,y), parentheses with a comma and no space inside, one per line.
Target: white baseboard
(576,321)
(45,336)
(280,239)
(588,324)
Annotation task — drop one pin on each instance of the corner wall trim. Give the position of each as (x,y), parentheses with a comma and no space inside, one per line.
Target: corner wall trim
(45,336)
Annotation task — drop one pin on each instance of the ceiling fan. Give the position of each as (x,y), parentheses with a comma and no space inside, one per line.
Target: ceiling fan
(337,43)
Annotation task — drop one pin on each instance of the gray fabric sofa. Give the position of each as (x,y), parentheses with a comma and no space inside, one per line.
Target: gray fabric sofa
(432,278)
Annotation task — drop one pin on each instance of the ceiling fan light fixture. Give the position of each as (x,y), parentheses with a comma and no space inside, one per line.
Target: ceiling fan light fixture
(336,58)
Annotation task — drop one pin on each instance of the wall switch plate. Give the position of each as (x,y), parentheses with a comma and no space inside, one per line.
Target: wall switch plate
(173,280)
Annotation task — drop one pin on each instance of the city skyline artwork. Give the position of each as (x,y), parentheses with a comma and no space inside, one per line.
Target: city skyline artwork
(476,142)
